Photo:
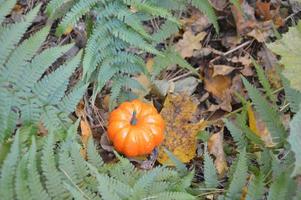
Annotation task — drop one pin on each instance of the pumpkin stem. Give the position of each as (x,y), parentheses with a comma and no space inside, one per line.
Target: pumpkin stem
(134,119)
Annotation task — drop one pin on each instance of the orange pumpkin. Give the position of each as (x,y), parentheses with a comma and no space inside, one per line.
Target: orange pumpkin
(135,128)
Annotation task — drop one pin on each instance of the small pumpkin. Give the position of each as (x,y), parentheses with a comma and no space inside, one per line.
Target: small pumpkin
(135,128)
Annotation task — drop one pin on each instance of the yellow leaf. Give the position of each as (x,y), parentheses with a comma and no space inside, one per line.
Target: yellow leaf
(68,30)
(252,119)
(259,127)
(85,134)
(180,135)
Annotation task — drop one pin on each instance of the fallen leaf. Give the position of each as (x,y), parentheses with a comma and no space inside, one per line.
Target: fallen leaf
(246,61)
(270,61)
(215,147)
(187,85)
(86,132)
(244,18)
(189,43)
(219,4)
(197,22)
(217,85)
(222,70)
(259,128)
(162,87)
(180,135)
(263,9)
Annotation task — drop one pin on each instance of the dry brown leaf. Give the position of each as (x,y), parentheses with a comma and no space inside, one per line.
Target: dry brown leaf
(80,109)
(86,133)
(246,61)
(215,147)
(217,85)
(222,70)
(263,8)
(259,128)
(219,4)
(180,135)
(270,61)
(244,18)
(189,43)
(197,22)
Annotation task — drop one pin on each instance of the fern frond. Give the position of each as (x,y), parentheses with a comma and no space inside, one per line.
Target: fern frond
(166,30)
(22,190)
(6,7)
(267,113)
(210,173)
(295,141)
(256,188)
(53,176)
(22,54)
(207,9)
(239,177)
(77,195)
(37,190)
(8,171)
(11,35)
(38,66)
(173,196)
(93,156)
(77,11)
(279,187)
(264,81)
(52,87)
(292,95)
(237,134)
(70,101)
(104,188)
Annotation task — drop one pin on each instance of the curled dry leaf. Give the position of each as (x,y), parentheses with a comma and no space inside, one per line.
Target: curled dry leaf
(215,147)
(217,85)
(85,134)
(189,43)
(219,4)
(180,135)
(222,70)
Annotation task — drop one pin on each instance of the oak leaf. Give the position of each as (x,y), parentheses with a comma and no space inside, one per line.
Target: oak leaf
(189,43)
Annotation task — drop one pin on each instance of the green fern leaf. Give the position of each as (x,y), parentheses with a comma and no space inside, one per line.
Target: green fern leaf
(39,64)
(207,9)
(279,187)
(8,171)
(22,54)
(295,141)
(264,81)
(52,87)
(22,190)
(93,156)
(237,134)
(267,113)
(6,7)
(77,11)
(173,196)
(256,188)
(210,173)
(239,177)
(37,190)
(10,36)
(293,96)
(53,177)
(288,48)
